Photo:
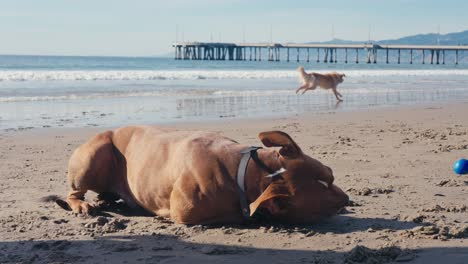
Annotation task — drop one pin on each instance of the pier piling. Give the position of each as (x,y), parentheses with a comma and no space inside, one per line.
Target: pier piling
(375,55)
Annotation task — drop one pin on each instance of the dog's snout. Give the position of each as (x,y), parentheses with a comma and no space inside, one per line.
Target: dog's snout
(344,201)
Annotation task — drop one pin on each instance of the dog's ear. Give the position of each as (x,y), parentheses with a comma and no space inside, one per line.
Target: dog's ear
(289,148)
(273,199)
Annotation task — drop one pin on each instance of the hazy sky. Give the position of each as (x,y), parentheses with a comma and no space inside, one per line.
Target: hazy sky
(148,27)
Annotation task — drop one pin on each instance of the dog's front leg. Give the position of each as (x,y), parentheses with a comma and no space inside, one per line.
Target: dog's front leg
(304,86)
(310,87)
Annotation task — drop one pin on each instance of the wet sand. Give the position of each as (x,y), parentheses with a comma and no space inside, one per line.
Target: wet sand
(395,163)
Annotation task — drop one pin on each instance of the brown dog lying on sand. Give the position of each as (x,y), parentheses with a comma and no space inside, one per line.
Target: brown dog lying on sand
(192,176)
(310,81)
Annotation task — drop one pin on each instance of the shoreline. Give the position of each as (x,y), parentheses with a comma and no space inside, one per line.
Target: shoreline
(257,117)
(247,120)
(395,163)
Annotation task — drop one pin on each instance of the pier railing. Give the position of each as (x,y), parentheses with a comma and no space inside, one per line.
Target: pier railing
(253,51)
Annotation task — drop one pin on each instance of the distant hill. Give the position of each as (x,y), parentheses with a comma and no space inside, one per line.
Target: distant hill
(456,38)
(337,41)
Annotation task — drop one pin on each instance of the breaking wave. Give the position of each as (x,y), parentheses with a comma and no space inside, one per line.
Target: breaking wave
(17,76)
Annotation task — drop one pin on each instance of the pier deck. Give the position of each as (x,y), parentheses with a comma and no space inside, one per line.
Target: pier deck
(253,51)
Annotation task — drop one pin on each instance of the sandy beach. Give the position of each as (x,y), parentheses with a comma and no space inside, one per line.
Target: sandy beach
(395,163)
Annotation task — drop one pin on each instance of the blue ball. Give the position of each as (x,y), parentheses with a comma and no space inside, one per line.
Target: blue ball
(461,166)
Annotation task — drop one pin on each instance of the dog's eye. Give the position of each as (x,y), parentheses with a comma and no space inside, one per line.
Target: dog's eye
(323,183)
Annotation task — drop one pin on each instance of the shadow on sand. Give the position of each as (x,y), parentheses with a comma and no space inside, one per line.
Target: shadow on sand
(170,249)
(167,248)
(339,224)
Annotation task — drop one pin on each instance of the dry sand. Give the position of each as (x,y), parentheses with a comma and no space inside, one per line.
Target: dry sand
(395,163)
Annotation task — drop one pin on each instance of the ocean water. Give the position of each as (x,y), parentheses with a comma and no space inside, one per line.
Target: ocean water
(56,91)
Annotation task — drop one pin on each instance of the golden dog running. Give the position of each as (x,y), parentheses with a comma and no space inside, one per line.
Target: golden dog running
(310,81)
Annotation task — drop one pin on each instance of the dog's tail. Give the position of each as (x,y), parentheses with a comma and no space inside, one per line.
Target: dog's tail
(55,198)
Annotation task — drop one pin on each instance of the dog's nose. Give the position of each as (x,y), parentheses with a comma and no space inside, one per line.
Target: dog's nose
(343,199)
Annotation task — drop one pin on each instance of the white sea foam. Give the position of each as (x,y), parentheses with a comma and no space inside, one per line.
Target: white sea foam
(102,95)
(41,75)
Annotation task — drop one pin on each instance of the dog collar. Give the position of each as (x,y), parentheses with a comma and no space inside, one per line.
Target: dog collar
(247,154)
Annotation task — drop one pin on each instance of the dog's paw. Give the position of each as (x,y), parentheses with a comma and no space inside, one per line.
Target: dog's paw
(86,208)
(83,208)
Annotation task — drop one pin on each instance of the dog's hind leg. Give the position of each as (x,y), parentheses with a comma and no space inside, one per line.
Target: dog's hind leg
(91,167)
(336,94)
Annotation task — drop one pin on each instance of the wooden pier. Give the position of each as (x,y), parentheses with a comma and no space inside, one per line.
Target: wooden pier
(328,52)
